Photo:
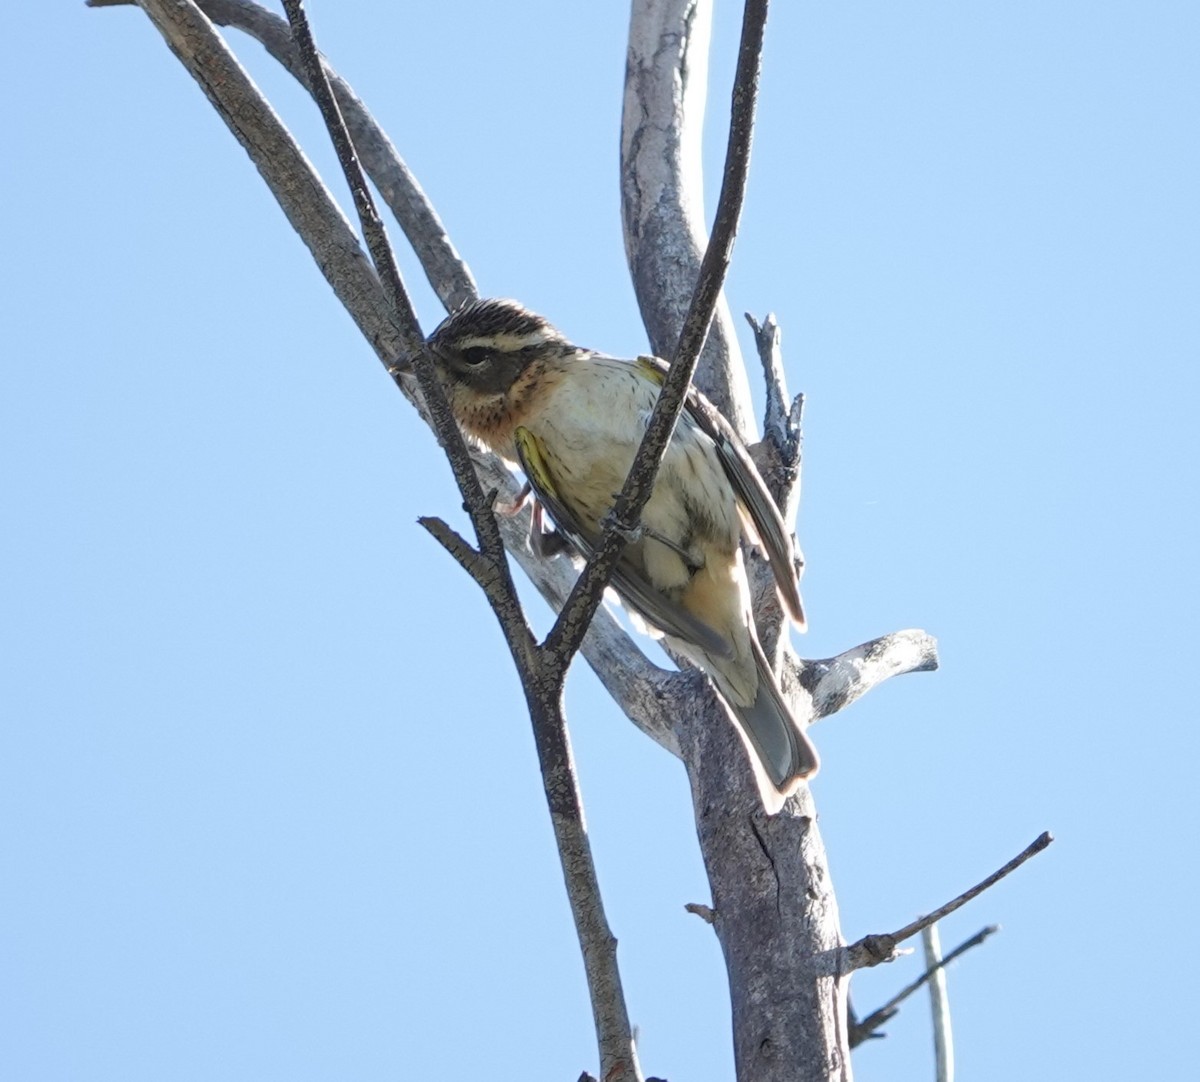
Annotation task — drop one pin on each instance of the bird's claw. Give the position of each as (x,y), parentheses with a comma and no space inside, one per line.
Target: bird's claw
(544,541)
(508,508)
(630,534)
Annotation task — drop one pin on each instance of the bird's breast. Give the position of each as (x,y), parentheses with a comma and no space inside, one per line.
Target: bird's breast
(591,427)
(492,419)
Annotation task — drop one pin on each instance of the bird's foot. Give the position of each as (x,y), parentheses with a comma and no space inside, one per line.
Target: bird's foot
(545,541)
(632,535)
(508,508)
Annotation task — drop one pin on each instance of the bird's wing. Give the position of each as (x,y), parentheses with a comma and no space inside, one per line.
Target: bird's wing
(635,589)
(748,486)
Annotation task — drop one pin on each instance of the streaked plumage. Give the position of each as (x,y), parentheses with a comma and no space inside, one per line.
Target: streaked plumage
(574,419)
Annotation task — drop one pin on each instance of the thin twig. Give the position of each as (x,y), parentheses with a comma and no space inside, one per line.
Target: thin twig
(646,693)
(618,1055)
(873,949)
(470,559)
(449,276)
(445,269)
(719,252)
(614,1034)
(939,1005)
(860,1031)
(767,337)
(374,232)
(296,186)
(509,614)
(571,625)
(782,435)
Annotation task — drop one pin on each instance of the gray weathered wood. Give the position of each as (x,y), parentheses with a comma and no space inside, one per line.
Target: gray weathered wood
(662,190)
(775,913)
(939,1005)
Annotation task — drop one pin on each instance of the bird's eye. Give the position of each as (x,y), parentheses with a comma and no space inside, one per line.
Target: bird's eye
(475,355)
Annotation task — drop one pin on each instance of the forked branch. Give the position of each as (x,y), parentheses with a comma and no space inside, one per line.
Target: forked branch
(618,1055)
(314,214)
(501,591)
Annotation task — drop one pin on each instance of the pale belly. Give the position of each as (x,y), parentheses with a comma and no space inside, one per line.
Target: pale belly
(590,431)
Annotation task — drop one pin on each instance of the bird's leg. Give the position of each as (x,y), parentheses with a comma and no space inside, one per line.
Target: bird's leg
(507,508)
(643,531)
(687,558)
(543,541)
(632,537)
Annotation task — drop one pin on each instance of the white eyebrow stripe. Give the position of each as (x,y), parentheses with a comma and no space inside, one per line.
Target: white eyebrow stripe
(506,341)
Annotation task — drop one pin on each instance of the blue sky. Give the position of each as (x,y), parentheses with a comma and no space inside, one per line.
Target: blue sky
(268,801)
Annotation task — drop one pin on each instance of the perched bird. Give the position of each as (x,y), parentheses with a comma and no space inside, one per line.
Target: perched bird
(573,419)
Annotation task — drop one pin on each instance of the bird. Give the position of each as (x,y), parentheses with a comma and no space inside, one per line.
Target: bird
(573,419)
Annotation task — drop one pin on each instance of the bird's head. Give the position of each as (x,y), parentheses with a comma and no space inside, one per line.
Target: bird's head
(485,345)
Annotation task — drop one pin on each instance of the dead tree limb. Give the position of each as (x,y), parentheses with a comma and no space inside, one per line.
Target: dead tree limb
(867,1027)
(774,908)
(543,688)
(873,949)
(939,1005)
(776,914)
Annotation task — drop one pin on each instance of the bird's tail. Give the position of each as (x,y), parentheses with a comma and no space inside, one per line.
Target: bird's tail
(782,748)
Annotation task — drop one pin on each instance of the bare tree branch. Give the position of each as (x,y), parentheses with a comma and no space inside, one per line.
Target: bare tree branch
(836,682)
(618,1055)
(576,614)
(446,271)
(473,562)
(373,229)
(775,910)
(304,199)
(793,899)
(662,190)
(503,596)
(860,1031)
(939,1004)
(646,693)
(779,458)
(873,949)
(195,42)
